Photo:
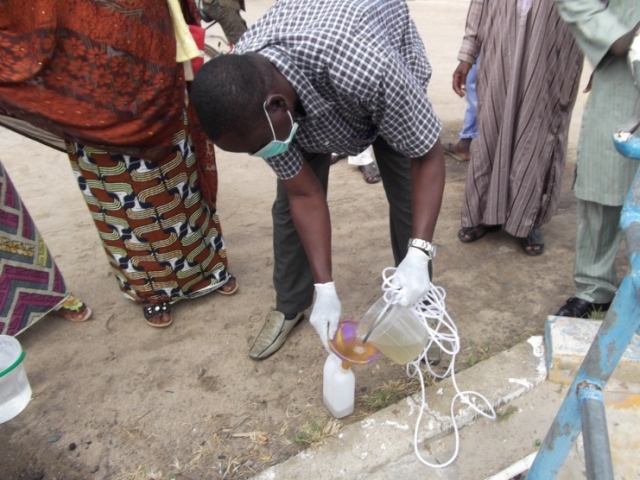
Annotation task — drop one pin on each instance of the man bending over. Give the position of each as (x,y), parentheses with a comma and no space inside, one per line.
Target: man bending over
(313,77)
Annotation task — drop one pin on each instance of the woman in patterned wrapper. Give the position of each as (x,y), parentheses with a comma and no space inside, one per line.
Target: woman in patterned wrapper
(103,76)
(30,283)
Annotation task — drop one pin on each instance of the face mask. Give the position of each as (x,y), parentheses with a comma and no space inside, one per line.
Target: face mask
(275,146)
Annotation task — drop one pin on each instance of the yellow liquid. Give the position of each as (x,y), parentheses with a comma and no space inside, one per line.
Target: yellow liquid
(403,354)
(353,349)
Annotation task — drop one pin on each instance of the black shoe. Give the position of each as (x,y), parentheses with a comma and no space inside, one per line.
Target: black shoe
(579,308)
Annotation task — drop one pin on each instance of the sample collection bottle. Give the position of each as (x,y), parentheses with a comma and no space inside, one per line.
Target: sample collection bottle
(338,387)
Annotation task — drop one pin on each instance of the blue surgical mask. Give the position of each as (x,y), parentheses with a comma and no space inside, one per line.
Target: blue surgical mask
(275,146)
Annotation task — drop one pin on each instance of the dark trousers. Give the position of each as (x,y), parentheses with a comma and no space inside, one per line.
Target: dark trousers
(233,25)
(292,277)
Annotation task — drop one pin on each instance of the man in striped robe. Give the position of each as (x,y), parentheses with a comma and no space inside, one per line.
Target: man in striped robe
(527,85)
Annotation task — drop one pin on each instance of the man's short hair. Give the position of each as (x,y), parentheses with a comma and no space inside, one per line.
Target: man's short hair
(228,93)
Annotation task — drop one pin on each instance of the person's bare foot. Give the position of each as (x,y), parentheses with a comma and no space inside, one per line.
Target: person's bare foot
(460,150)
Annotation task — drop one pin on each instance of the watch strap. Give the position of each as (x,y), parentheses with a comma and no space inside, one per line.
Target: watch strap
(427,247)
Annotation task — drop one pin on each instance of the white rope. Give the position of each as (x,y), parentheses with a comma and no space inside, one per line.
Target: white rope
(445,336)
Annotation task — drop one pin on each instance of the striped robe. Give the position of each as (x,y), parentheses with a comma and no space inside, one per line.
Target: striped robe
(527,85)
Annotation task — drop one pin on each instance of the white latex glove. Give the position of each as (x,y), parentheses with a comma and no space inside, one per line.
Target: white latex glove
(412,277)
(326,312)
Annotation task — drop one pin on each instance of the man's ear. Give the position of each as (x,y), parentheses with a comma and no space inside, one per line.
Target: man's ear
(275,103)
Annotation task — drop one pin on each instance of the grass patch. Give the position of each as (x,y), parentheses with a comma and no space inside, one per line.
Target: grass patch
(313,433)
(478,354)
(597,315)
(392,391)
(503,415)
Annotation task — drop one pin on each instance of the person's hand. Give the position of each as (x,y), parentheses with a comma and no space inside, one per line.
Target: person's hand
(326,312)
(460,78)
(621,46)
(412,277)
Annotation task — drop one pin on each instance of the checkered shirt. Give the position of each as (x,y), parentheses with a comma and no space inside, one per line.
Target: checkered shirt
(359,69)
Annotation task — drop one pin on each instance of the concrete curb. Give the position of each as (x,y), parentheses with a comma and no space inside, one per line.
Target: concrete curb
(567,341)
(387,435)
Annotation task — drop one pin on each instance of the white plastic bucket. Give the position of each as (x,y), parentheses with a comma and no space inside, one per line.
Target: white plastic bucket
(15,391)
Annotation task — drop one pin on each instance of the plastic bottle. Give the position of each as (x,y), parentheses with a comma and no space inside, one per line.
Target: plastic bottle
(338,387)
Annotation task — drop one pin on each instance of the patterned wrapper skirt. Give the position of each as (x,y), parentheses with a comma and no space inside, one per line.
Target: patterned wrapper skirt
(30,283)
(162,239)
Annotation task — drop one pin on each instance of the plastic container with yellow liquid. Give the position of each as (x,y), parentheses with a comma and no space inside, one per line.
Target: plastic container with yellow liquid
(394,330)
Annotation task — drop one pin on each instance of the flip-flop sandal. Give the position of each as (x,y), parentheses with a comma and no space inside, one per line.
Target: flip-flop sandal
(336,157)
(81,315)
(221,290)
(471,234)
(370,173)
(449,149)
(151,311)
(534,241)
(74,309)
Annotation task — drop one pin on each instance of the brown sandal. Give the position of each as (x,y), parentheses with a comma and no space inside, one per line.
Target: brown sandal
(232,283)
(370,173)
(74,309)
(533,244)
(471,234)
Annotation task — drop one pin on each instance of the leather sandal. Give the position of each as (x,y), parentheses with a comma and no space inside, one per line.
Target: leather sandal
(471,234)
(370,172)
(74,309)
(162,310)
(533,244)
(231,285)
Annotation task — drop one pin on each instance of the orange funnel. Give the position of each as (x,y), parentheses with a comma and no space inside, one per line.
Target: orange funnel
(348,346)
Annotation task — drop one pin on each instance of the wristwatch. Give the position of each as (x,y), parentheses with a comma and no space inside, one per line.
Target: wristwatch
(424,246)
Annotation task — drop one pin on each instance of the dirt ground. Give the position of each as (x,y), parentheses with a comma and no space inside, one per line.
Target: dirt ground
(115,399)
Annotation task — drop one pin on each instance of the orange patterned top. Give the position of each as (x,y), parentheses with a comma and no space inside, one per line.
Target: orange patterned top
(99,72)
